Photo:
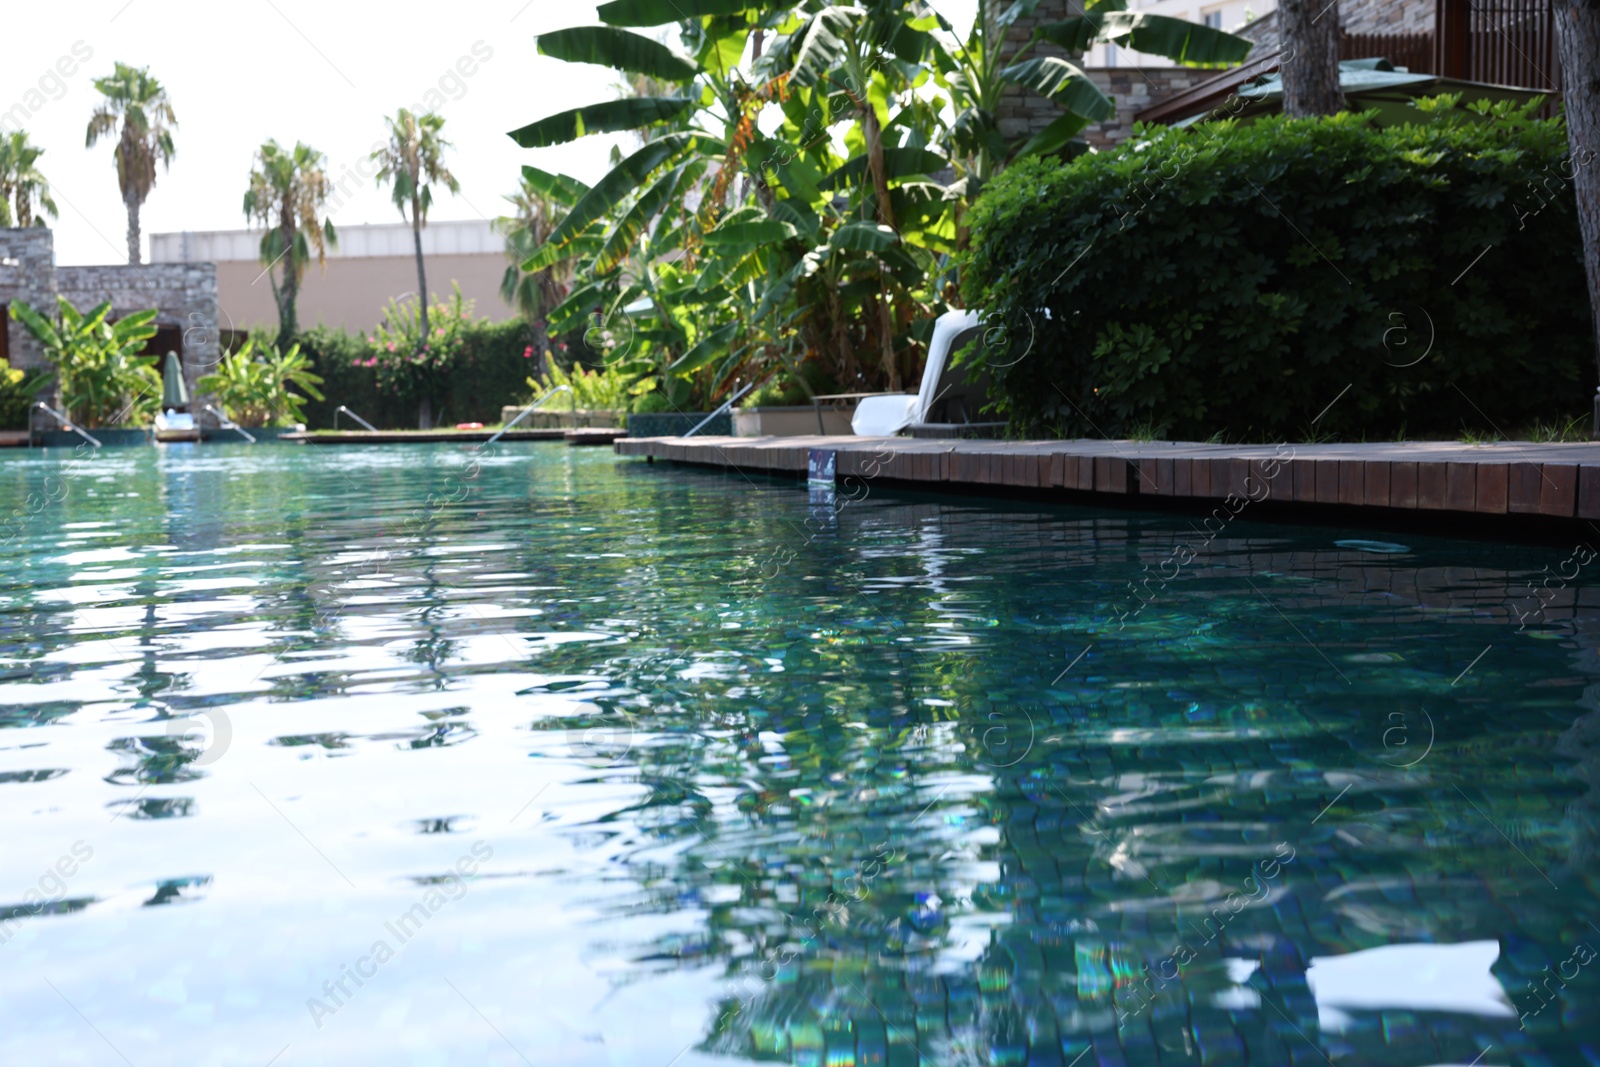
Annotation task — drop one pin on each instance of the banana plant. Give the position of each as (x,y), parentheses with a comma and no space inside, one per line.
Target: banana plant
(105,378)
(820,232)
(256,391)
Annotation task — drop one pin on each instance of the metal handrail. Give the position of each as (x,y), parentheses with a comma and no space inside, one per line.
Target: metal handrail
(732,400)
(525,411)
(229,424)
(353,415)
(65,422)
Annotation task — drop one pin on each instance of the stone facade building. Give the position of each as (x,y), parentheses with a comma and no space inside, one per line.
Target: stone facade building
(183,294)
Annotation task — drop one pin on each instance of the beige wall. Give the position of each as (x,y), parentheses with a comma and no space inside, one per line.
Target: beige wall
(353,291)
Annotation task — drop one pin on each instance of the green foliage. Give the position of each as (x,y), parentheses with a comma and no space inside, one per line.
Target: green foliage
(105,381)
(410,363)
(17,392)
(738,249)
(488,371)
(22,185)
(255,391)
(606,389)
(1237,279)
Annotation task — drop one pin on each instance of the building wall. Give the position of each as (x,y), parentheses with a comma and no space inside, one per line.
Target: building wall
(353,292)
(27,272)
(183,294)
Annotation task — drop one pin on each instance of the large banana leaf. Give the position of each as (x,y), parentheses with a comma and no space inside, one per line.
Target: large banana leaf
(606,117)
(626,233)
(1160,35)
(750,233)
(1053,136)
(661,12)
(608,193)
(562,189)
(864,237)
(1066,82)
(705,350)
(1179,39)
(898,164)
(618,49)
(822,44)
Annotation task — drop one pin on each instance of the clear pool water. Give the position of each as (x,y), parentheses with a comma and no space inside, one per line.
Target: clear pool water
(374,756)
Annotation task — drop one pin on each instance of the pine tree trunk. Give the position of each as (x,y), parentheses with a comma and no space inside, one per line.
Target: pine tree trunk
(133,228)
(1578,32)
(1310,38)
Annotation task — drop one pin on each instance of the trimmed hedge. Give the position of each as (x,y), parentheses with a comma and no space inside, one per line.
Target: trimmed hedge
(489,372)
(1237,279)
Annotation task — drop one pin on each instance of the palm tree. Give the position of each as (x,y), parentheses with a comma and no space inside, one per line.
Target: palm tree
(139,104)
(287,191)
(541,203)
(21,182)
(411,161)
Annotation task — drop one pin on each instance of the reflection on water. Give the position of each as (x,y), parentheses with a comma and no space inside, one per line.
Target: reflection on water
(368,756)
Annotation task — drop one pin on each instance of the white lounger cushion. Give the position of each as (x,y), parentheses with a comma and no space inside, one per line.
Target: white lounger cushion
(883,416)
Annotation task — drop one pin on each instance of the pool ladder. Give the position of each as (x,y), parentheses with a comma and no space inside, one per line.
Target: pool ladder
(353,415)
(525,411)
(65,422)
(229,424)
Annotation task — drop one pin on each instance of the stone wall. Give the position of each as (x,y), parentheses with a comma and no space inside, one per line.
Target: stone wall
(28,273)
(183,294)
(1132,89)
(1386,16)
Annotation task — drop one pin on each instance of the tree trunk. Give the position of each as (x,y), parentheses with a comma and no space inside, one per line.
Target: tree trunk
(287,324)
(425,408)
(1310,39)
(132,200)
(422,275)
(1578,32)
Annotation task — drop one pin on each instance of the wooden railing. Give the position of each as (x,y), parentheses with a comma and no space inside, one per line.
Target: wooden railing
(1503,42)
(1413,51)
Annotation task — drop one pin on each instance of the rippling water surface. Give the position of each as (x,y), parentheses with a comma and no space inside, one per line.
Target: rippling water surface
(414,756)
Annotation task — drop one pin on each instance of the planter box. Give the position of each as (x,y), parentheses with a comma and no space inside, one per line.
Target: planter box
(555,417)
(797,421)
(676,424)
(108,436)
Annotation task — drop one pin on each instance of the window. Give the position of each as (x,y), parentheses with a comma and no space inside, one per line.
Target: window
(1213,19)
(1111,53)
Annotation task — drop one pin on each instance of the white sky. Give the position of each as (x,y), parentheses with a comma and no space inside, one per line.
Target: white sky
(241,71)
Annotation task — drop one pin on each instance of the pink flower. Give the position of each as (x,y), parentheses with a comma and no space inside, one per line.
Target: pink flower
(527,353)
(439,331)
(357,362)
(373,362)
(390,346)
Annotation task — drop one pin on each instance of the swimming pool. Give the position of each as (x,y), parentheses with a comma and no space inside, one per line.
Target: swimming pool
(421,755)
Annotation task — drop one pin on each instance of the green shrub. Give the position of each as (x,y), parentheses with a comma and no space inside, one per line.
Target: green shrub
(17,389)
(105,378)
(1237,279)
(254,388)
(488,370)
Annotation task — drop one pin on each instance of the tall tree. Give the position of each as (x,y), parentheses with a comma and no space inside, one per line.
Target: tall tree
(1578,31)
(22,185)
(138,104)
(1310,37)
(288,190)
(411,162)
(541,202)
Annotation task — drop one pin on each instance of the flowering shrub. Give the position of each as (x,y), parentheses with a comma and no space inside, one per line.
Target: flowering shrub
(409,365)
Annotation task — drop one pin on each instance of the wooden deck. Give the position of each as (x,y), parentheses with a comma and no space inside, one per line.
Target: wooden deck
(1504,478)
